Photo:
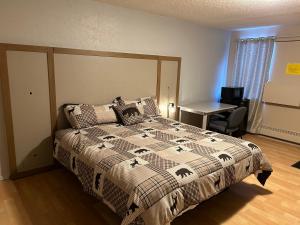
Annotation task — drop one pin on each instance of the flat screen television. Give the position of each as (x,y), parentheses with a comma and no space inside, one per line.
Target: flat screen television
(232,93)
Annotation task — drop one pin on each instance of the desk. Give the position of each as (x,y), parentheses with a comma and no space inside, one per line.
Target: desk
(205,109)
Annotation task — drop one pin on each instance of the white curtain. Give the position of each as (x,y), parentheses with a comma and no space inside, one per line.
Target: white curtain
(251,71)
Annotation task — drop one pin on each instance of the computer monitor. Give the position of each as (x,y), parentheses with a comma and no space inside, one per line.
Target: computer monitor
(232,93)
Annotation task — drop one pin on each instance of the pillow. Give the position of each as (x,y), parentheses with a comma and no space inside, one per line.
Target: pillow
(150,106)
(138,104)
(105,113)
(118,101)
(129,114)
(147,106)
(83,115)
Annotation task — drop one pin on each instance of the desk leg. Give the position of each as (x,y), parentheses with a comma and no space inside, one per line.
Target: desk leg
(204,122)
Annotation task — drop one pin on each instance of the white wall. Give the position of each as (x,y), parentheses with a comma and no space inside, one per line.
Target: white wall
(88,24)
(280,122)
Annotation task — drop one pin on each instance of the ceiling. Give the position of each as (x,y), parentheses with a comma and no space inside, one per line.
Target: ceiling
(225,14)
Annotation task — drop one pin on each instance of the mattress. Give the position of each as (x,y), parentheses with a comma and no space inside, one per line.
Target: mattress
(150,173)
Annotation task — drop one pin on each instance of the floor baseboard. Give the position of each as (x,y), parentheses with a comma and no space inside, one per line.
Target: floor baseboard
(34,171)
(277,139)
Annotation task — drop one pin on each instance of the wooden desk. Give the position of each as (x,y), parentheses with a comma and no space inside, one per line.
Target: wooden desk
(205,109)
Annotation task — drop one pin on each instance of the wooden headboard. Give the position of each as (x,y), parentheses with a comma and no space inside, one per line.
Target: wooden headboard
(73,76)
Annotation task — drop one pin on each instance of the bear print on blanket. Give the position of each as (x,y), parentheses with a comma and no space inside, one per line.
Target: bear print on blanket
(129,114)
(183,172)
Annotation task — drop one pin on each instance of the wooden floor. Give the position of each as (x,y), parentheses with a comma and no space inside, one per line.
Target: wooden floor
(56,198)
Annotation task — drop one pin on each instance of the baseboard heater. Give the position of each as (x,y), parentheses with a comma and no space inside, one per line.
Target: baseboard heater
(289,135)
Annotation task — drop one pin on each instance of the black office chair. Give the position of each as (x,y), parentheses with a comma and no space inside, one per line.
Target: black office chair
(221,124)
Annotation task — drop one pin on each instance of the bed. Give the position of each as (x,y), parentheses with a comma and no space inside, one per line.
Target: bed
(151,172)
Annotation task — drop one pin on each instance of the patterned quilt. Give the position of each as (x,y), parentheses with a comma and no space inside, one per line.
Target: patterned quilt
(150,173)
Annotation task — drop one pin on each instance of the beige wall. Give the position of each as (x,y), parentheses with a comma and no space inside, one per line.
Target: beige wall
(280,122)
(87,24)
(29,92)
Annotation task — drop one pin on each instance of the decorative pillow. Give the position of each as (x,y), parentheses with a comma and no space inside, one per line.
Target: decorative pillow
(129,114)
(150,106)
(118,101)
(138,104)
(83,115)
(105,114)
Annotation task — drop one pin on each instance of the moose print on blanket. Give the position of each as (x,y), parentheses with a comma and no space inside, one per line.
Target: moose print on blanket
(179,149)
(73,163)
(97,181)
(132,208)
(248,166)
(217,182)
(173,207)
(145,136)
(134,163)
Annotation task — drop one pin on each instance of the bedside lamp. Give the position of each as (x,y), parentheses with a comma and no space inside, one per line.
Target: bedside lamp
(171,108)
(171,105)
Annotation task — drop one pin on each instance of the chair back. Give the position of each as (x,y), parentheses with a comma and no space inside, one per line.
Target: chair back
(236,117)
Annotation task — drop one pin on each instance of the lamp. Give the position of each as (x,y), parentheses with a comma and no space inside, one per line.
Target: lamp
(171,105)
(171,108)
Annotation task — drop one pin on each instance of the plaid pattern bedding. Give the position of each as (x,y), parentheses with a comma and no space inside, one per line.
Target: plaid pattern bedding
(151,172)
(83,115)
